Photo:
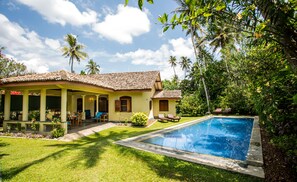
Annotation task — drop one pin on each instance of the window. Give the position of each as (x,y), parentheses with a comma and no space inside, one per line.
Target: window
(124,104)
(163,105)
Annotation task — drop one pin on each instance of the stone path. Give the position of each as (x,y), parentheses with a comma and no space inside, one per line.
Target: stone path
(81,132)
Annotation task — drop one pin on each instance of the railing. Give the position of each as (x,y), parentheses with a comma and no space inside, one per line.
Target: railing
(28,126)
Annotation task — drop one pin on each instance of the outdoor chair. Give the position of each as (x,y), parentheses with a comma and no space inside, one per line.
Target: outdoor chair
(88,114)
(217,111)
(98,116)
(173,118)
(227,111)
(68,125)
(79,119)
(161,117)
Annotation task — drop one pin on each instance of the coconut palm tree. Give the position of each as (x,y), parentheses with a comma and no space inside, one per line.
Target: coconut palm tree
(185,64)
(73,50)
(92,67)
(193,27)
(1,49)
(173,63)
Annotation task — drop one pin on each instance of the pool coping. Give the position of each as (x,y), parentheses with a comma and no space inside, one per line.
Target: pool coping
(252,166)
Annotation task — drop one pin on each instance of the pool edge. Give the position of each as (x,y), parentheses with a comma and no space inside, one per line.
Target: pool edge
(204,159)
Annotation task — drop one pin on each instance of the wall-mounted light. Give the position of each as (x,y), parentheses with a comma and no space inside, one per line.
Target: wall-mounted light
(91,99)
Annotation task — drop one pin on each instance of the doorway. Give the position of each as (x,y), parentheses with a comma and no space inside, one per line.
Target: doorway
(103,105)
(79,105)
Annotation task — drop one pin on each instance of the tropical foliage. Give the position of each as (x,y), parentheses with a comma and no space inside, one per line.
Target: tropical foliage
(173,63)
(73,50)
(139,119)
(92,67)
(10,67)
(257,69)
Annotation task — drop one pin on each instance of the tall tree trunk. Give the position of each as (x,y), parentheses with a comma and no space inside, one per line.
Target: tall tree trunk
(174,71)
(200,71)
(71,60)
(284,32)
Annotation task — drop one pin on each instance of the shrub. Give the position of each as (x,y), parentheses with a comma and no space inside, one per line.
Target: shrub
(58,132)
(235,97)
(192,105)
(139,119)
(35,126)
(34,115)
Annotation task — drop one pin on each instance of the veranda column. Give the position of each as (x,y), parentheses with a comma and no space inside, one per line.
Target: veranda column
(63,105)
(97,104)
(42,104)
(7,105)
(25,105)
(83,107)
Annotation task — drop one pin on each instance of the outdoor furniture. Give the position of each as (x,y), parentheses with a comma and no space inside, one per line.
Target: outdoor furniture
(77,119)
(161,117)
(98,116)
(227,111)
(69,125)
(217,111)
(88,114)
(173,118)
(104,117)
(73,119)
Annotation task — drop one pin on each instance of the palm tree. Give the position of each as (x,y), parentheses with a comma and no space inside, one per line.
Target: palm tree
(193,27)
(185,64)
(1,49)
(73,50)
(92,67)
(173,63)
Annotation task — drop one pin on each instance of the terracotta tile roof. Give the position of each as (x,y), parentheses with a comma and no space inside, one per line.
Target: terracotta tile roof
(168,94)
(129,80)
(114,81)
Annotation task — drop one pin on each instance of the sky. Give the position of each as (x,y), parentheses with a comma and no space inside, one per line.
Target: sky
(118,38)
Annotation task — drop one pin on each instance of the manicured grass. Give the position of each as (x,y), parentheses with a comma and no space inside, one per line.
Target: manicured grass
(97,158)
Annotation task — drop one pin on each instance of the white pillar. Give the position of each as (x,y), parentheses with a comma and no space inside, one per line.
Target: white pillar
(7,105)
(73,104)
(83,107)
(97,103)
(25,105)
(63,105)
(42,104)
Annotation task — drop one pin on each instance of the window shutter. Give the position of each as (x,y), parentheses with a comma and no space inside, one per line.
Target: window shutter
(117,105)
(163,105)
(129,105)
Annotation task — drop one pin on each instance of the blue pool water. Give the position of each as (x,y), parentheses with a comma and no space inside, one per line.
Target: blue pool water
(223,137)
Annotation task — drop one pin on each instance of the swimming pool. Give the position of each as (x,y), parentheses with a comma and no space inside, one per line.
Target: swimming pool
(230,143)
(223,137)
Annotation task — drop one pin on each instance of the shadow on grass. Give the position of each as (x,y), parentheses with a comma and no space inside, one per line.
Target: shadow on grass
(92,147)
(171,168)
(8,174)
(2,144)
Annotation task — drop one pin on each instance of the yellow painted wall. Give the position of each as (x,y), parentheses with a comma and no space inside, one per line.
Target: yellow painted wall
(140,103)
(89,103)
(171,107)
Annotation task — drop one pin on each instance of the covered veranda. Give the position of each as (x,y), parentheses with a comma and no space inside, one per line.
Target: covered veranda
(72,97)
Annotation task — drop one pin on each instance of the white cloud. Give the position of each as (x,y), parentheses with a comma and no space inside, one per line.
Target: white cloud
(37,53)
(159,58)
(54,44)
(62,12)
(181,47)
(127,23)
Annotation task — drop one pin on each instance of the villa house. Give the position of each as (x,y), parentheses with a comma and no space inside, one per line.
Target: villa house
(118,94)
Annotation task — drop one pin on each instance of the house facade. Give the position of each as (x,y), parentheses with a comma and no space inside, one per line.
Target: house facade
(117,94)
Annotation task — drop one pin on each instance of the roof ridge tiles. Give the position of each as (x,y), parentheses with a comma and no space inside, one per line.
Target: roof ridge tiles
(116,81)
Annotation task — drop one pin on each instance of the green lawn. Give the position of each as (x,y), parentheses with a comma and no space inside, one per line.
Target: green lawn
(97,158)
